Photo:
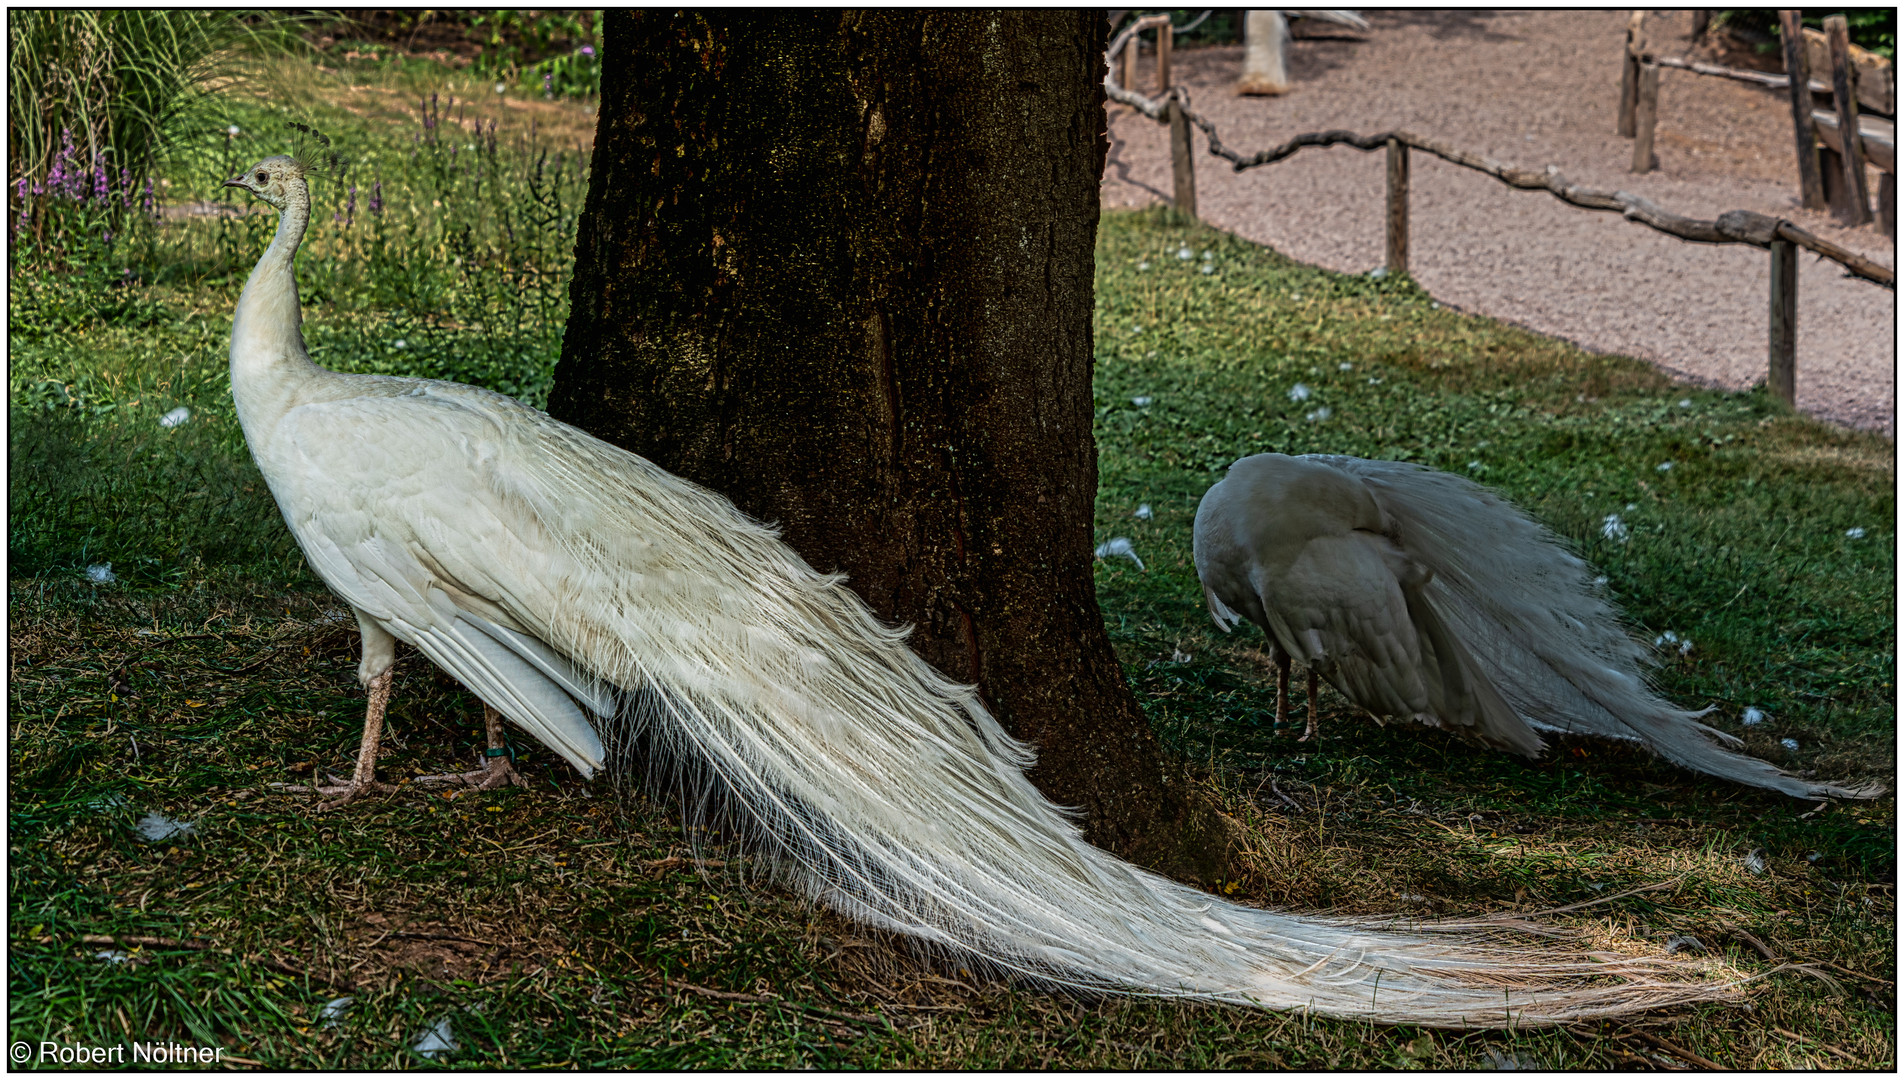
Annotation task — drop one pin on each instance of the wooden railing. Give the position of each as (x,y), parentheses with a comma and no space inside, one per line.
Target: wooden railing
(1830,170)
(1782,238)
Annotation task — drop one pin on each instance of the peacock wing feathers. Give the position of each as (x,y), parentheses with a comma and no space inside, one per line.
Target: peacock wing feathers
(1528,611)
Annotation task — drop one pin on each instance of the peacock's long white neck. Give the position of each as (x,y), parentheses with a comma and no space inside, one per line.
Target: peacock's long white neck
(269,364)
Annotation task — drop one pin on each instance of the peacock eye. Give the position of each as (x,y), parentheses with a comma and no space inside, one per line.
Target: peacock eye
(263,177)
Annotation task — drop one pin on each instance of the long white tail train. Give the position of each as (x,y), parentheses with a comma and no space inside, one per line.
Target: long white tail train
(890,793)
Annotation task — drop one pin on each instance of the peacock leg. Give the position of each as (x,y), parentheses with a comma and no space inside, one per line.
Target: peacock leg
(364,778)
(1310,731)
(1282,685)
(497,772)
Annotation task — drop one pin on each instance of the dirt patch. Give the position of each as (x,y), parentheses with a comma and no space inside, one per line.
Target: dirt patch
(381,947)
(1534,88)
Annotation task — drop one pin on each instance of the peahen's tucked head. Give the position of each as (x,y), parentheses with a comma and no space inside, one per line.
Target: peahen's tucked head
(271,179)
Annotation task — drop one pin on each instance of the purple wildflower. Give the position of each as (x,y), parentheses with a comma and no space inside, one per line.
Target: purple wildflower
(100,186)
(56,175)
(148,195)
(548,84)
(376,197)
(588,50)
(125,186)
(350,206)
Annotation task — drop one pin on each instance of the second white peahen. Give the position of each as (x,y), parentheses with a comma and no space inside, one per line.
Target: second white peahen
(1422,596)
(583,591)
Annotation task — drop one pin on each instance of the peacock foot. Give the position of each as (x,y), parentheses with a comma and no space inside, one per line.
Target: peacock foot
(338,792)
(498,773)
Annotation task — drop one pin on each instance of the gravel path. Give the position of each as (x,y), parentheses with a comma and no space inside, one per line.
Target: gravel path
(1534,88)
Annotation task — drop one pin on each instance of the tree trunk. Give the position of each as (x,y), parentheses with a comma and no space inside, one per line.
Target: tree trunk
(839,267)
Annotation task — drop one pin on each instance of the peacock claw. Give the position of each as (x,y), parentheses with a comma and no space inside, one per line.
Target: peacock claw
(342,791)
(498,773)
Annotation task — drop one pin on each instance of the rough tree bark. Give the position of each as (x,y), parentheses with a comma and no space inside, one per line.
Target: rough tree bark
(839,268)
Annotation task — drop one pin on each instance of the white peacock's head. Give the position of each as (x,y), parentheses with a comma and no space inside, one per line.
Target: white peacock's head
(270,179)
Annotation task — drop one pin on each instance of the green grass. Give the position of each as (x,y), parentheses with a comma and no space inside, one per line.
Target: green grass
(569,925)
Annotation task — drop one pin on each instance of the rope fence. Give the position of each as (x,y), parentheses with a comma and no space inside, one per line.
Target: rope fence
(1782,238)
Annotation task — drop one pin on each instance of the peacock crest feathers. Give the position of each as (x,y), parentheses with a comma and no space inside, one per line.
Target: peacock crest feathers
(314,154)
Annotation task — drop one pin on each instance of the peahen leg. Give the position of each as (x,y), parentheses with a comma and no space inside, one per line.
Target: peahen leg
(1310,731)
(497,770)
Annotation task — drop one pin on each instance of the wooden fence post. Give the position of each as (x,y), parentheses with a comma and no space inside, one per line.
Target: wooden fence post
(1646,115)
(1854,208)
(1781,376)
(1887,204)
(1183,171)
(1629,75)
(1127,60)
(1397,207)
(1811,189)
(1163,58)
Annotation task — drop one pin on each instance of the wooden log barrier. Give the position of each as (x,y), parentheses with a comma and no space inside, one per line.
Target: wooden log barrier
(1629,76)
(1853,207)
(1183,170)
(1163,57)
(1127,62)
(1781,374)
(1397,207)
(1811,188)
(1645,119)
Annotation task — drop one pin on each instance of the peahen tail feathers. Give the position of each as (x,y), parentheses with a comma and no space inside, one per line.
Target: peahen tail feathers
(889,792)
(1556,649)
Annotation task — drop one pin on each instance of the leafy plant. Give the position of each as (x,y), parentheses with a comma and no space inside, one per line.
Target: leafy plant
(112,89)
(557,47)
(1869,28)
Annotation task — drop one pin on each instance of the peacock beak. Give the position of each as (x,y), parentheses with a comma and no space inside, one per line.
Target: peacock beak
(237,182)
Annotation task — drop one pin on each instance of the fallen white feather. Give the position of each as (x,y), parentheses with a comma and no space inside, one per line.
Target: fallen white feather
(333,1012)
(157,827)
(175,417)
(437,1040)
(1119,545)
